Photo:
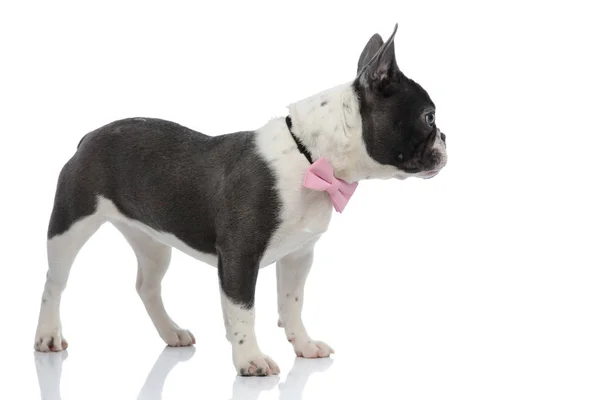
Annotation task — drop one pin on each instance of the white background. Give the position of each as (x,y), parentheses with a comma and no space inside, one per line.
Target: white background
(482,283)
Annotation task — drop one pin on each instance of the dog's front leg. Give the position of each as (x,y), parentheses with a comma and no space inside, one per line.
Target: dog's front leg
(292,271)
(237,278)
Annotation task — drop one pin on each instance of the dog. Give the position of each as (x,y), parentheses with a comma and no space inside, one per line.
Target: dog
(240,201)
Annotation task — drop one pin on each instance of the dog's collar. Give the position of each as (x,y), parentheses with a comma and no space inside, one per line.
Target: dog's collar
(321,177)
(301,148)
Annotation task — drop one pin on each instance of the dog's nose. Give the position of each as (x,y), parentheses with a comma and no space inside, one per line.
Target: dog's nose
(443,137)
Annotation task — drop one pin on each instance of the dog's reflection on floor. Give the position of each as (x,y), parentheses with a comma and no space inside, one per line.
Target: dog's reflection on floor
(48,367)
(297,378)
(166,361)
(49,370)
(249,388)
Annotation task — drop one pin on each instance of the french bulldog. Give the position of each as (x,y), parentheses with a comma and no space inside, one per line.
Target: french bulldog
(240,201)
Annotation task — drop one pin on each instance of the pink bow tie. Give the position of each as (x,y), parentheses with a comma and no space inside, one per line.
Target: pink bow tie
(319,176)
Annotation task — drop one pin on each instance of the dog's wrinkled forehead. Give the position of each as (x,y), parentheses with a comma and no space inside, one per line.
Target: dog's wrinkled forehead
(397,113)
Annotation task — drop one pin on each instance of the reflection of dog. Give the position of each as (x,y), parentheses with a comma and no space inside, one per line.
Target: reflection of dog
(167,360)
(48,367)
(49,371)
(297,378)
(240,201)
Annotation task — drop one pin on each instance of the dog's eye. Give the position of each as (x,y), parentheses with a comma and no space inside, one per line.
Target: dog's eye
(430,119)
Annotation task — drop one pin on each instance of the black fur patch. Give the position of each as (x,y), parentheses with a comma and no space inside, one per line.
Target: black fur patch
(394,125)
(216,194)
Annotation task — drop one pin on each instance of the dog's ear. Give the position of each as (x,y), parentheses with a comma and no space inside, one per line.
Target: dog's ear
(369,51)
(377,64)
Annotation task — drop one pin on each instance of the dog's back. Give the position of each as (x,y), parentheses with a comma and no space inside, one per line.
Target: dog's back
(162,174)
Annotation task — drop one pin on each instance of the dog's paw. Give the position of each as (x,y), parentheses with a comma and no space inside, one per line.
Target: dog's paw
(51,341)
(260,365)
(178,338)
(311,349)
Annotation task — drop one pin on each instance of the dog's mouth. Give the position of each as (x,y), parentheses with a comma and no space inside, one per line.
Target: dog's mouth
(430,174)
(426,161)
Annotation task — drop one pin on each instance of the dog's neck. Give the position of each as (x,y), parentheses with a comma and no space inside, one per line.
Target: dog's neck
(329,125)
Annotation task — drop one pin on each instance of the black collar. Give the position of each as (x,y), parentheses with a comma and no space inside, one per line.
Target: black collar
(301,147)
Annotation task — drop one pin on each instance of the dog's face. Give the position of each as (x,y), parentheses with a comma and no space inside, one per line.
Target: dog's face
(398,116)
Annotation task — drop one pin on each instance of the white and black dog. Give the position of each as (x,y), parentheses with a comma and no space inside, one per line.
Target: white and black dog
(239,201)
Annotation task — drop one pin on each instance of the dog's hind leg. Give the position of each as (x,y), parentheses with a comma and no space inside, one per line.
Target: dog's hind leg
(153,261)
(74,220)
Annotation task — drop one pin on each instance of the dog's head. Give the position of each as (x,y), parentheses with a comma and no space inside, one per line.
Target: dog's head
(398,116)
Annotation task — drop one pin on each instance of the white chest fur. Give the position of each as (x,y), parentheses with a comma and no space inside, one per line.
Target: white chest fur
(305,214)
